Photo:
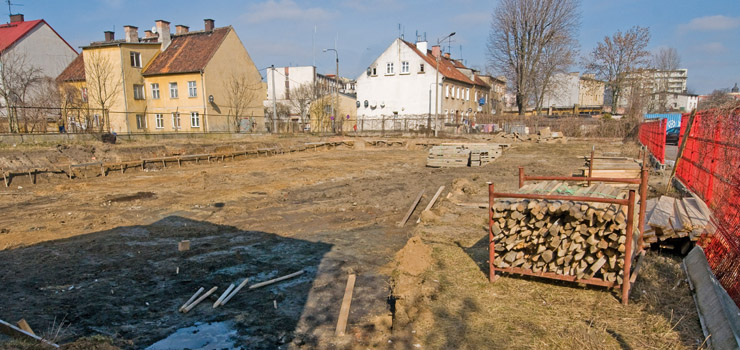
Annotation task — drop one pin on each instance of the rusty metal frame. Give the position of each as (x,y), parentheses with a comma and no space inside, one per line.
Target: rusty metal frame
(629,202)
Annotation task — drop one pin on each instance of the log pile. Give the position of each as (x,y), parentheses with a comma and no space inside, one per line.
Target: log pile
(667,218)
(581,239)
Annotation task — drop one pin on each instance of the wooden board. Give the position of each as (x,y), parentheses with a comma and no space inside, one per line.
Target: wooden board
(346,302)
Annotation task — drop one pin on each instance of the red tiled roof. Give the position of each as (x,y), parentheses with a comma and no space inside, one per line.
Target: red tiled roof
(75,71)
(187,53)
(447,67)
(10,33)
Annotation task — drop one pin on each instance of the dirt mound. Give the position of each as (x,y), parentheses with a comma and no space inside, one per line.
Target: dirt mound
(463,186)
(429,217)
(414,258)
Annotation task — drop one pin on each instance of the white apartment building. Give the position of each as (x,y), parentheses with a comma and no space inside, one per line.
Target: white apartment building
(401,82)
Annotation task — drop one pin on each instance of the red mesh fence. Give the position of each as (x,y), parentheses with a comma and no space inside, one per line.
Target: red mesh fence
(710,167)
(652,136)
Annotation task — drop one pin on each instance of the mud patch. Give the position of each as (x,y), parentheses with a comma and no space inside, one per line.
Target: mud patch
(216,335)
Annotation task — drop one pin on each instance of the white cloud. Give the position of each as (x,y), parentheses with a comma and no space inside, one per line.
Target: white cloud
(713,48)
(712,23)
(285,10)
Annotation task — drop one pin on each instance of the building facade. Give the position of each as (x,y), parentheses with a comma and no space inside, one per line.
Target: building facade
(401,83)
(574,90)
(200,81)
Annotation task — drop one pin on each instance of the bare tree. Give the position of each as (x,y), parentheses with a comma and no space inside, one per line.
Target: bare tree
(521,34)
(617,56)
(241,94)
(102,82)
(556,58)
(301,98)
(719,99)
(17,80)
(666,58)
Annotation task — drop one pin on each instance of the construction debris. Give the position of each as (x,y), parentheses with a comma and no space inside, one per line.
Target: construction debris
(183,245)
(197,301)
(668,217)
(614,167)
(581,239)
(15,332)
(346,302)
(275,280)
(411,210)
(464,154)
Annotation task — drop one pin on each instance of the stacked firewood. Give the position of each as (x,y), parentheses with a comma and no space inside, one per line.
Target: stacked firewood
(582,239)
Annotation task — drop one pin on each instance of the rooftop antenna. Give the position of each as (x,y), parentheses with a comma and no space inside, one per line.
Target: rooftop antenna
(399,30)
(10,11)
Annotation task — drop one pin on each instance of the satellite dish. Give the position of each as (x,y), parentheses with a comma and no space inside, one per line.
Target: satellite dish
(154,29)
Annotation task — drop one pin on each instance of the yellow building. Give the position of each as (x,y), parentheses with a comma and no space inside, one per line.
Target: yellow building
(200,81)
(346,111)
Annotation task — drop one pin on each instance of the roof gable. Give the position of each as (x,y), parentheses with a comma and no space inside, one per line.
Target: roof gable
(187,53)
(10,33)
(447,67)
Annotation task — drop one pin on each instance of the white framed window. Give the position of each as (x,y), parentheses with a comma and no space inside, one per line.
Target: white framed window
(457,92)
(159,121)
(175,121)
(140,121)
(135,59)
(155,91)
(138,92)
(421,68)
(467,94)
(389,68)
(194,120)
(192,89)
(405,67)
(447,91)
(173,90)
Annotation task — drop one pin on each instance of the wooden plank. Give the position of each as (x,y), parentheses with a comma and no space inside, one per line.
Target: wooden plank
(275,280)
(15,332)
(344,310)
(22,324)
(638,266)
(411,210)
(236,290)
(431,202)
(197,301)
(223,296)
(191,299)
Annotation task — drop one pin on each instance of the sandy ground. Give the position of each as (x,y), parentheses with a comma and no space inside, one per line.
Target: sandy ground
(101,253)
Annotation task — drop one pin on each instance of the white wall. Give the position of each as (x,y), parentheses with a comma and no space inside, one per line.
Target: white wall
(564,91)
(407,93)
(296,77)
(44,49)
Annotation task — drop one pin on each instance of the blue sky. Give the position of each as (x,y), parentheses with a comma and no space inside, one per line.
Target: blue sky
(705,33)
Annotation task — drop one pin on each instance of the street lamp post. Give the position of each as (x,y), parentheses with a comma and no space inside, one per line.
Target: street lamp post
(429,116)
(436,87)
(336,87)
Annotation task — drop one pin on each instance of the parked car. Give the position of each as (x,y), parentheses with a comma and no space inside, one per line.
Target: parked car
(671,136)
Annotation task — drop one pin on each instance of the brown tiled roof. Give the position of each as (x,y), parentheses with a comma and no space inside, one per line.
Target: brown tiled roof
(447,67)
(75,71)
(187,53)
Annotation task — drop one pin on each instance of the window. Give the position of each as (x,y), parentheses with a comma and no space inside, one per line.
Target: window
(173,90)
(457,92)
(140,121)
(192,90)
(175,121)
(194,120)
(135,59)
(404,67)
(155,91)
(83,94)
(421,68)
(375,71)
(138,92)
(467,94)
(159,121)
(389,68)
(447,91)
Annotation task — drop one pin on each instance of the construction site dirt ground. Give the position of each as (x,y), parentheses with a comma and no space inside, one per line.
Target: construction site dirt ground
(101,255)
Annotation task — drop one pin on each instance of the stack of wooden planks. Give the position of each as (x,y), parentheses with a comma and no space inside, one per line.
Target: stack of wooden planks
(614,167)
(668,217)
(448,156)
(581,239)
(464,154)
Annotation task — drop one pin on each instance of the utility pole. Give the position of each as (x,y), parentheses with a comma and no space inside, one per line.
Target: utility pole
(436,86)
(274,107)
(336,86)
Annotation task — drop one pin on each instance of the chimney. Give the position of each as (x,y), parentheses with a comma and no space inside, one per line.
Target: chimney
(181,29)
(163,28)
(18,17)
(447,55)
(422,46)
(148,34)
(209,24)
(109,36)
(435,51)
(132,34)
